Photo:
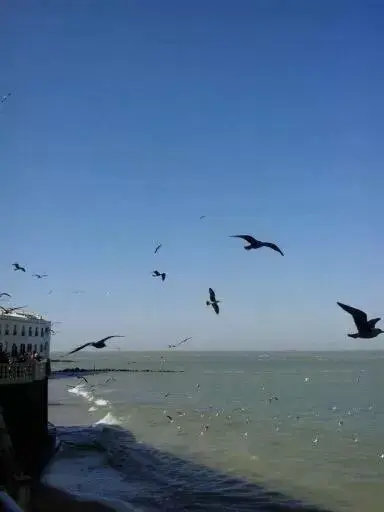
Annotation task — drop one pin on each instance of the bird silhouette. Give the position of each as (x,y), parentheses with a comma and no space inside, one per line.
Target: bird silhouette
(365,328)
(156,273)
(9,310)
(158,248)
(16,266)
(96,344)
(256,244)
(213,301)
(4,294)
(40,276)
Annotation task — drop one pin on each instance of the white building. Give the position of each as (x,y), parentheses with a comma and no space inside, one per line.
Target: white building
(24,332)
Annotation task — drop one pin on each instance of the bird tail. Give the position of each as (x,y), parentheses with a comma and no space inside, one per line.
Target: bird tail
(248,247)
(207,303)
(353,335)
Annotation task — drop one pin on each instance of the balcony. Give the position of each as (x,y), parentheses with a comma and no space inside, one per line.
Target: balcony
(21,373)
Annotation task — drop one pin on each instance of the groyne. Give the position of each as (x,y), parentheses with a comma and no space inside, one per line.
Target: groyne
(73,372)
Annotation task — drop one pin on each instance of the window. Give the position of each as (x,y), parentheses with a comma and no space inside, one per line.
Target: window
(42,333)
(0,329)
(1,347)
(29,331)
(41,347)
(36,331)
(14,331)
(23,330)
(14,350)
(6,332)
(46,347)
(35,347)
(22,348)
(29,348)
(47,330)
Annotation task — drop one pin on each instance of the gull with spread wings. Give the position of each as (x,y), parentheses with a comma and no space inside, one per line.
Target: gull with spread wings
(16,266)
(213,301)
(156,273)
(96,344)
(256,244)
(9,310)
(365,328)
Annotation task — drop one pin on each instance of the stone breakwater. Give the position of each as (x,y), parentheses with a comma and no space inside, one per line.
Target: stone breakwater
(71,372)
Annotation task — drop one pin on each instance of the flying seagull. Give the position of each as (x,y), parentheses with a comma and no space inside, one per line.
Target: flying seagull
(180,342)
(156,273)
(16,266)
(9,310)
(40,276)
(158,247)
(202,217)
(96,344)
(365,328)
(256,244)
(213,301)
(4,294)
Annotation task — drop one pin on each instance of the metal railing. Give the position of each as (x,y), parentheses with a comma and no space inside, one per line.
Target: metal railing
(17,373)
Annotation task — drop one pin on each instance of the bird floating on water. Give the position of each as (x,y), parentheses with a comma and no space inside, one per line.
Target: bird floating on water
(256,244)
(96,344)
(180,342)
(16,266)
(40,276)
(156,273)
(365,328)
(213,301)
(158,248)
(4,294)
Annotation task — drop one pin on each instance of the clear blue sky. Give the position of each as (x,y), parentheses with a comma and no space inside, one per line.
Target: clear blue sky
(129,120)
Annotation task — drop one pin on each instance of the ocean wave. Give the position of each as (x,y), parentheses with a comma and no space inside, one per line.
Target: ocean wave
(106,462)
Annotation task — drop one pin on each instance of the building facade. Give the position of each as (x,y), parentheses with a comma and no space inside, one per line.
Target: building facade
(23,333)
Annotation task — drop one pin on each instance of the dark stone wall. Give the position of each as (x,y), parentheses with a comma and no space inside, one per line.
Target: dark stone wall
(26,416)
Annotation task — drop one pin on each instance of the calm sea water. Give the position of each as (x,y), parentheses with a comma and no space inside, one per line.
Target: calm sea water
(322,441)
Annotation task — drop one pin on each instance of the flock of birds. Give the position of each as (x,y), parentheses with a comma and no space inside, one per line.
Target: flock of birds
(366,329)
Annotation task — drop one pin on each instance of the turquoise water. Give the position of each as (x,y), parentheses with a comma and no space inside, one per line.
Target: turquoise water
(322,441)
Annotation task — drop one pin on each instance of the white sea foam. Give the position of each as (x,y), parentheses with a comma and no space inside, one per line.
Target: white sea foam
(108,419)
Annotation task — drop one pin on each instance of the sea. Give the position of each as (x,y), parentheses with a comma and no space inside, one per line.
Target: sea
(227,431)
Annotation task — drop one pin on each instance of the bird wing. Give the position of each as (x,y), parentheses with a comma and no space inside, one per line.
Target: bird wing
(109,337)
(4,294)
(247,238)
(274,247)
(359,317)
(212,295)
(157,248)
(184,340)
(373,322)
(79,348)
(216,308)
(155,272)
